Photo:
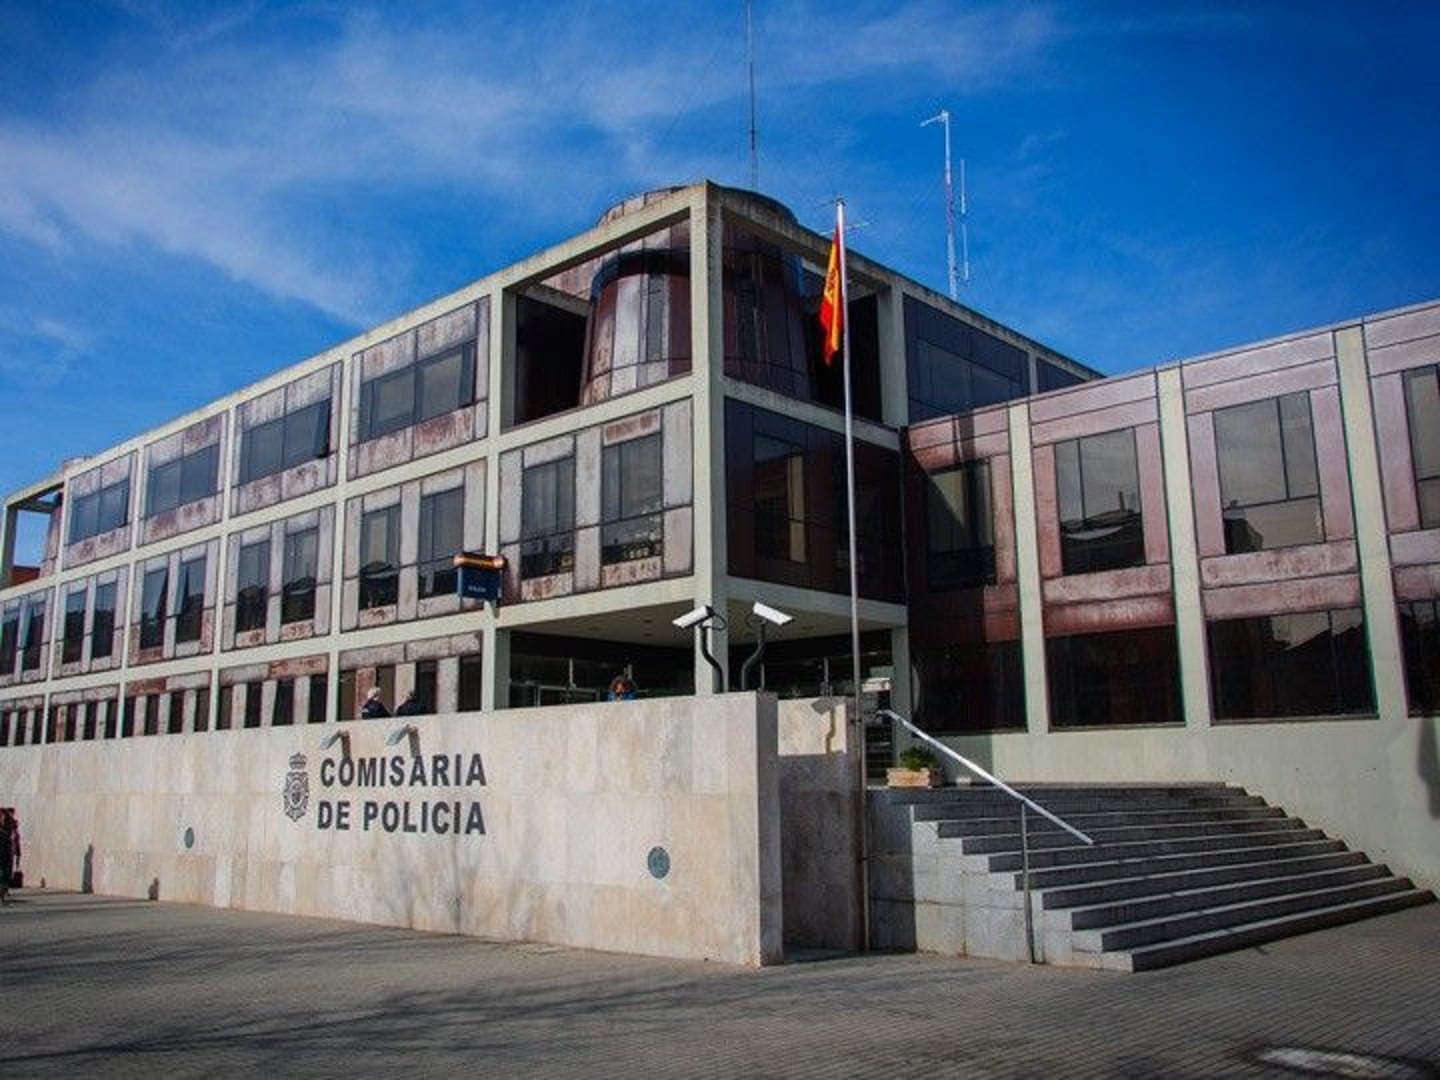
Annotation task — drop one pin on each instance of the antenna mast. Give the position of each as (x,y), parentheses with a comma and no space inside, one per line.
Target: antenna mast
(750,60)
(943,118)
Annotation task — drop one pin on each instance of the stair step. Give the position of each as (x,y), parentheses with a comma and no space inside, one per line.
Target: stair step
(1121,868)
(1143,885)
(1076,802)
(1099,819)
(1115,834)
(1076,852)
(1228,939)
(1132,910)
(1153,931)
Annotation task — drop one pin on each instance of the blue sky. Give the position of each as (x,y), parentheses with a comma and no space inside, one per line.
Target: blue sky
(195,195)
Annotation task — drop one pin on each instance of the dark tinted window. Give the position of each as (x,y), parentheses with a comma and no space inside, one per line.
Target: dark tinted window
(297,601)
(285,442)
(152,607)
(470,697)
(181,481)
(100,511)
(1053,377)
(547,518)
(631,500)
(959,527)
(252,586)
(1124,677)
(1420,639)
(953,367)
(1269,484)
(379,557)
(971,687)
(442,531)
(1313,663)
(431,387)
(319,688)
(74,641)
(9,641)
(283,712)
(190,600)
(1099,503)
(1422,403)
(34,633)
(102,630)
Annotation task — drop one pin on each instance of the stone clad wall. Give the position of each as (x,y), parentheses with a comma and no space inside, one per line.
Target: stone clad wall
(558,829)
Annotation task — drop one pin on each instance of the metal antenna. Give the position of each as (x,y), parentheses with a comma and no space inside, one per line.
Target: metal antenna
(750,59)
(943,117)
(964,230)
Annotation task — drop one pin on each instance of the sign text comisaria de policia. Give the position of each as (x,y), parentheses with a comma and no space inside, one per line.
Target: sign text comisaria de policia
(391,793)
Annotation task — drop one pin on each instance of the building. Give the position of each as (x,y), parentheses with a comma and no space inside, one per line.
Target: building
(1223,568)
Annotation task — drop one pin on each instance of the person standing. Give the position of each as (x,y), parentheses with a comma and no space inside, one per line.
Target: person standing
(374,707)
(411,706)
(9,850)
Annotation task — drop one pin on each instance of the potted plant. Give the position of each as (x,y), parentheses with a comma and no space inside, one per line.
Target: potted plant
(916,766)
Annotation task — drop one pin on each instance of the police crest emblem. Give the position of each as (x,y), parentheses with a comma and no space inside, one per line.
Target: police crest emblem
(297,788)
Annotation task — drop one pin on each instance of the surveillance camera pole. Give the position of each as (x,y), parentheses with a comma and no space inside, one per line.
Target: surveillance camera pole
(704,631)
(754,657)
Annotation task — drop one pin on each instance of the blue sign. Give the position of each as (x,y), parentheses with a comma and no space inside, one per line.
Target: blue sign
(480,583)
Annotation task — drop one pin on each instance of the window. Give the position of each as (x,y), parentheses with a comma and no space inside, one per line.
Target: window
(1099,502)
(954,367)
(470,696)
(379,557)
(187,478)
(1420,642)
(252,703)
(631,500)
(176,724)
(547,518)
(427,684)
(152,714)
(190,613)
(286,441)
(73,645)
(100,511)
(224,711)
(1313,663)
(282,713)
(253,587)
(152,607)
(202,709)
(1121,677)
(959,527)
(431,387)
(102,629)
(971,687)
(9,641)
(127,720)
(1269,484)
(92,714)
(34,634)
(1422,404)
(779,499)
(442,530)
(297,600)
(319,685)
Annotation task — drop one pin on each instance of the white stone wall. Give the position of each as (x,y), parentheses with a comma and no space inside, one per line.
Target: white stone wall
(573,800)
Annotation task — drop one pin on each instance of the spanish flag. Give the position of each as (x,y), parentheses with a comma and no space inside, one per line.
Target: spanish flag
(832,309)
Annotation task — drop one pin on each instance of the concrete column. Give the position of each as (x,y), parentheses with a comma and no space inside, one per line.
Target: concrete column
(1371,536)
(7,544)
(708,350)
(495,666)
(894,375)
(901,699)
(1184,552)
(1027,572)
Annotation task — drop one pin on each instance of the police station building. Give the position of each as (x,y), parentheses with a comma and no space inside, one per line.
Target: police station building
(1224,570)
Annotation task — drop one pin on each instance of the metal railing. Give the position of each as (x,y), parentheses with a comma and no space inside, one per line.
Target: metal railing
(1026,804)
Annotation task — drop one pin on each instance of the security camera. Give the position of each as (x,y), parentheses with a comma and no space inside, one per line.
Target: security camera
(694,617)
(770,615)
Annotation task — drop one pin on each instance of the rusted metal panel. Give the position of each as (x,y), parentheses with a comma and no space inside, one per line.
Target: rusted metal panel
(678,451)
(1047,512)
(679,541)
(543,588)
(1415,548)
(1094,423)
(444,331)
(1333,462)
(1154,513)
(1392,436)
(1108,585)
(1002,498)
(1248,362)
(1282,597)
(1205,487)
(377,616)
(630,427)
(1092,397)
(510,473)
(443,432)
(190,681)
(1261,386)
(145,687)
(586,575)
(630,573)
(1131,613)
(374,656)
(587,477)
(1280,564)
(430,607)
(1405,327)
(1417,582)
(562,446)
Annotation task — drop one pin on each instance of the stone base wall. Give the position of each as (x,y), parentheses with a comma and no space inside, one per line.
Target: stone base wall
(649,827)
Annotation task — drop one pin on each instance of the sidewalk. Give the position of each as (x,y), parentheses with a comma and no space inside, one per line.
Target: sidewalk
(90,984)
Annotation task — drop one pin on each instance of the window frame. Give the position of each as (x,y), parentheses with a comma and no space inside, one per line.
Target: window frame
(72,639)
(190,606)
(1427,482)
(299,442)
(379,580)
(976,561)
(1077,559)
(197,476)
(547,546)
(413,378)
(434,567)
(297,596)
(632,526)
(95,514)
(152,623)
(252,611)
(1238,532)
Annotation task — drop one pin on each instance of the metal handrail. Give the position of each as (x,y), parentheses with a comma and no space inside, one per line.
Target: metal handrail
(1024,801)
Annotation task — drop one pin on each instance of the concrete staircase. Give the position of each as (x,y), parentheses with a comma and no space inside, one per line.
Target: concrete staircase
(1175,873)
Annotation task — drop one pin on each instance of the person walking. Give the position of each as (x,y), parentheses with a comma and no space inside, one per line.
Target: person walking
(9,850)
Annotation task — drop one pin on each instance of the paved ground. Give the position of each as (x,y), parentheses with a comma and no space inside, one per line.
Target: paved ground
(90,985)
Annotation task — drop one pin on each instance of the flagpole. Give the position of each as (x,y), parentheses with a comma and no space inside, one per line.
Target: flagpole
(858,747)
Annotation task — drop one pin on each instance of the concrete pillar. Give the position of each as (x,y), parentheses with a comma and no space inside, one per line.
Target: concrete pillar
(7,543)
(901,692)
(1371,535)
(1027,572)
(494,666)
(1184,551)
